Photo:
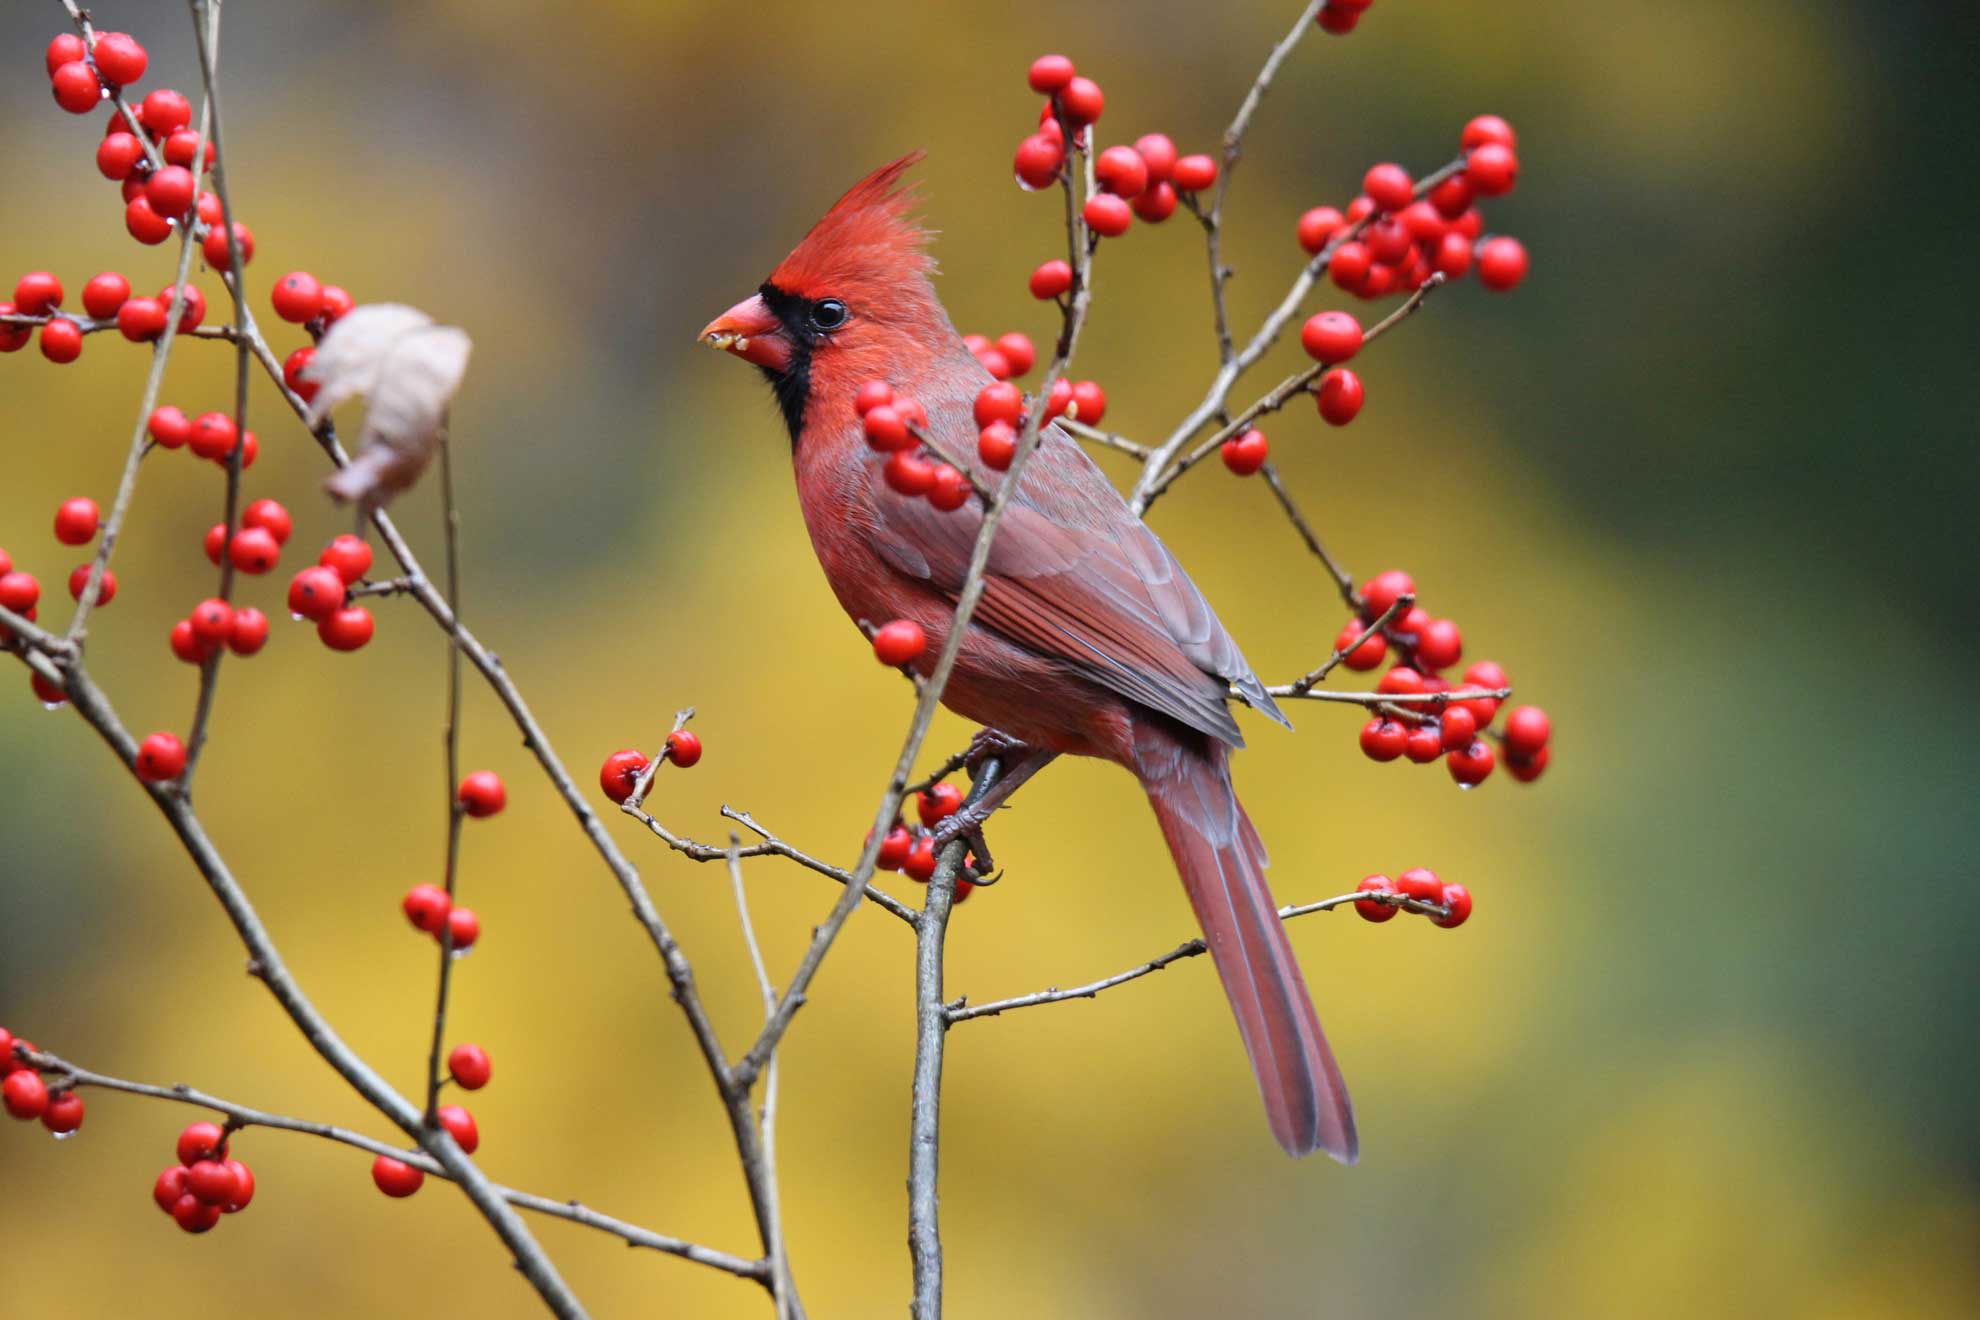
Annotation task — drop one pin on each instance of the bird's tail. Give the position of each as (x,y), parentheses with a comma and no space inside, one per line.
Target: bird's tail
(1223,863)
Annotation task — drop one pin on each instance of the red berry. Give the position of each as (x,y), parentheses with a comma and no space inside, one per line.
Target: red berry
(1018,351)
(996,445)
(1452,197)
(66,48)
(271,517)
(212,620)
(336,302)
(1424,223)
(999,401)
(1339,397)
(191,312)
(482,794)
(79,579)
(243,1188)
(1193,173)
(894,849)
(463,928)
(1527,731)
(1083,101)
(298,297)
(348,556)
(938,803)
(1424,744)
(885,431)
(182,149)
(37,293)
(1439,645)
(1401,681)
(1121,171)
(1421,884)
(619,776)
(1501,263)
(165,112)
(1059,399)
(872,395)
(216,542)
(1458,729)
(195,1215)
(171,191)
(169,1187)
(1458,899)
(460,1126)
(24,1094)
(908,474)
(920,861)
(1158,153)
(1382,739)
(1318,226)
(1470,765)
(1091,401)
(141,320)
(1491,169)
(1245,454)
(144,224)
(426,907)
(169,427)
(469,1065)
(187,645)
(1350,264)
(1371,910)
(19,591)
(347,629)
(1389,241)
(250,450)
(161,757)
(1526,769)
(1389,185)
(104,294)
(214,435)
(1051,280)
(1487,128)
(898,642)
(1107,215)
(250,631)
(218,254)
(1331,337)
(1154,206)
(61,340)
(683,748)
(120,58)
(1453,256)
(1038,160)
(1366,654)
(76,88)
(200,1141)
(1050,73)
(1384,590)
(212,1182)
(1337,20)
(13,338)
(76,521)
(994,362)
(396,1178)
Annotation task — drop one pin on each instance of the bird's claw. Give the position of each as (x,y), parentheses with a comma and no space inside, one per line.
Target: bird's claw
(986,743)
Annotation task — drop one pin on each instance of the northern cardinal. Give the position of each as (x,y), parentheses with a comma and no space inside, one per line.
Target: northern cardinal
(1089,637)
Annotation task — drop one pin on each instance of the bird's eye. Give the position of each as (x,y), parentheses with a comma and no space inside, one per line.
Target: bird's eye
(829,314)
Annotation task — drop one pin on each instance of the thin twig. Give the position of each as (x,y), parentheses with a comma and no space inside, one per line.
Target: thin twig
(1301,686)
(242,1116)
(1343,582)
(1105,438)
(451,738)
(780,1266)
(961,1010)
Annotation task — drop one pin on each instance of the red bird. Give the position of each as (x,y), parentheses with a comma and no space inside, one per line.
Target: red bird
(1089,638)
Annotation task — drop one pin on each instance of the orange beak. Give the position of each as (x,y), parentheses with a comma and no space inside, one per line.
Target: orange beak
(752,332)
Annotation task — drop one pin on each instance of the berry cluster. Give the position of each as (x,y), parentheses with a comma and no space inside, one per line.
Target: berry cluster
(911,851)
(619,776)
(469,1069)
(1418,885)
(897,426)
(1456,729)
(26,1096)
(206,1183)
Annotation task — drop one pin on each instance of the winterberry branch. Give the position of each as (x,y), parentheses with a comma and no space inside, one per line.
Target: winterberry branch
(80,17)
(450,520)
(240,1117)
(1301,686)
(781,1292)
(1343,582)
(961,1010)
(1108,439)
(1281,394)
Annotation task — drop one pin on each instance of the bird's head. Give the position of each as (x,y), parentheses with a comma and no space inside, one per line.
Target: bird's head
(850,303)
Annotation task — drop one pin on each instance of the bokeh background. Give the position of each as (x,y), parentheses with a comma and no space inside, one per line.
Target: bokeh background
(1705,485)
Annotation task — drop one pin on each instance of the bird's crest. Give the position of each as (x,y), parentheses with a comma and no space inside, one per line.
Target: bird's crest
(870,238)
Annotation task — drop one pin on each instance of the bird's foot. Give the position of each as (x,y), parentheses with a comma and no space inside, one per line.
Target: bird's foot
(986,743)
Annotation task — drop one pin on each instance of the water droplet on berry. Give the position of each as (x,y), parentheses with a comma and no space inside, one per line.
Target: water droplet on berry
(64,1136)
(1022,184)
(53,705)
(458,954)
(295,617)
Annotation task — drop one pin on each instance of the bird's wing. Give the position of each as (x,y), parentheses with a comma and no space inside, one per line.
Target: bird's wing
(1075,575)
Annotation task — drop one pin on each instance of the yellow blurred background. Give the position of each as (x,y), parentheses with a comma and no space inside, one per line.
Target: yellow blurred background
(1707,1046)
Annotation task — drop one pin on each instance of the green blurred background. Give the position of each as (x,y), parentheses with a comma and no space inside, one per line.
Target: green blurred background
(1704,485)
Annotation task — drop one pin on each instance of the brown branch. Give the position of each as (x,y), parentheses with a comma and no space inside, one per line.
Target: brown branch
(450,736)
(1342,581)
(1301,686)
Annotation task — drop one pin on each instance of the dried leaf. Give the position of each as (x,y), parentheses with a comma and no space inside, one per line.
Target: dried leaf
(408,370)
